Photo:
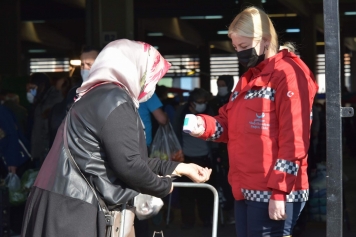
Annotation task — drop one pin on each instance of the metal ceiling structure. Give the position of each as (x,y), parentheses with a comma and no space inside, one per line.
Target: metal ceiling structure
(59,25)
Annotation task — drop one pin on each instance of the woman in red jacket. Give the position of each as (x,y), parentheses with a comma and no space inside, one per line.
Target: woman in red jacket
(266,125)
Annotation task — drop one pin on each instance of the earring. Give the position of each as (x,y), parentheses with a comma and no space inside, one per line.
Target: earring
(266,47)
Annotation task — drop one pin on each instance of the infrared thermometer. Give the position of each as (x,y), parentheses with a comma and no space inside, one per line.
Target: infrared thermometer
(190,123)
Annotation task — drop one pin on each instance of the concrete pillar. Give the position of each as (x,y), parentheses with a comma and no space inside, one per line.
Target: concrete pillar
(353,71)
(111,20)
(342,63)
(10,43)
(89,22)
(308,42)
(204,62)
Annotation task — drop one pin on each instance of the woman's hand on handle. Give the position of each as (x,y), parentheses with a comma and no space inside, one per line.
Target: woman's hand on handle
(195,172)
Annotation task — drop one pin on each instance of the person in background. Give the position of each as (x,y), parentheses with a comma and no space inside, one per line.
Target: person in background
(225,84)
(15,159)
(87,58)
(59,110)
(198,152)
(169,104)
(13,153)
(152,106)
(12,102)
(150,111)
(266,125)
(45,97)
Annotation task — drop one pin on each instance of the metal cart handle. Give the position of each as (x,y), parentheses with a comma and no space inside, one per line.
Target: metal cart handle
(216,200)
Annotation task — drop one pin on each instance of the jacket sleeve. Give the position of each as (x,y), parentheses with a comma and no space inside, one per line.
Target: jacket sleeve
(294,97)
(216,127)
(121,144)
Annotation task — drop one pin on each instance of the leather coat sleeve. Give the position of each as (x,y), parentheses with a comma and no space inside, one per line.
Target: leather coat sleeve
(121,141)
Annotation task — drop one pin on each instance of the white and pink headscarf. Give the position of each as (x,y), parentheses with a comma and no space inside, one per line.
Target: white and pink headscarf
(136,66)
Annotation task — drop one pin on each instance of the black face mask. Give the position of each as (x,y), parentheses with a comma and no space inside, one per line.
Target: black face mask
(249,58)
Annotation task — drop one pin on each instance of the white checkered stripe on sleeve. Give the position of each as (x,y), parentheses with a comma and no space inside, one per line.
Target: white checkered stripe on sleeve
(298,196)
(286,166)
(264,196)
(218,131)
(265,92)
(234,95)
(255,195)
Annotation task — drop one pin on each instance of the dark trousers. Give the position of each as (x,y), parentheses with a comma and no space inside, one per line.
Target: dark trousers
(189,198)
(252,219)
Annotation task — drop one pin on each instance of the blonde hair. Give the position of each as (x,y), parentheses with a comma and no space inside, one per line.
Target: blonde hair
(255,23)
(289,46)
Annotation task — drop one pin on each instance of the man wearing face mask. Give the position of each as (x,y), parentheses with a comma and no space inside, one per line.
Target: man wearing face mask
(225,85)
(87,58)
(198,152)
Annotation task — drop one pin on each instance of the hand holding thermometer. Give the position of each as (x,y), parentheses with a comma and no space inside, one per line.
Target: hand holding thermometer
(190,123)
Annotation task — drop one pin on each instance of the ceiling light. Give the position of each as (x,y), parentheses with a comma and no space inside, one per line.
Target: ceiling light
(192,17)
(75,62)
(191,72)
(263,1)
(293,30)
(36,21)
(213,17)
(37,51)
(155,34)
(201,17)
(223,32)
(349,13)
(283,15)
(212,46)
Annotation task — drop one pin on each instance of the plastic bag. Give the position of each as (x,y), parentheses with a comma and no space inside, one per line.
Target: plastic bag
(16,193)
(28,178)
(13,182)
(147,206)
(165,145)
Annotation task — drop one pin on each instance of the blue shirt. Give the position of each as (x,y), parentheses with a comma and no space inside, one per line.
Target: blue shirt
(145,110)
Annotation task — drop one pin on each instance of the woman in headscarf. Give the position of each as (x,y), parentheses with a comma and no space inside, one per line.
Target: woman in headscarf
(106,138)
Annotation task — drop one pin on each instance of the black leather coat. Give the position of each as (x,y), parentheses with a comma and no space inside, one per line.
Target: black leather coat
(106,139)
